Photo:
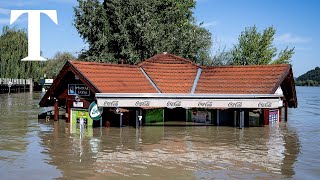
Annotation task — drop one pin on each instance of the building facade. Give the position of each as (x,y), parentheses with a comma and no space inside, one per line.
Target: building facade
(170,90)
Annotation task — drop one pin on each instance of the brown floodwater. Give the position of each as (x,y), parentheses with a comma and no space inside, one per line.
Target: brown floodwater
(33,149)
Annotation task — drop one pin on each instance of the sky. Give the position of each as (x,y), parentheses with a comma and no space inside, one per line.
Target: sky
(296,22)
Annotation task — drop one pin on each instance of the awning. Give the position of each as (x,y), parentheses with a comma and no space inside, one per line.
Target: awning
(189,100)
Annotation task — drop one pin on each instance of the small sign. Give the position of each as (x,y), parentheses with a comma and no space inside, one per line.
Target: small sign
(48,81)
(273,116)
(95,112)
(78,89)
(10,84)
(77,104)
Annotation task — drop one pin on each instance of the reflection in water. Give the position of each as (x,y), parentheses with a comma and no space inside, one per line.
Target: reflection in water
(185,152)
(48,150)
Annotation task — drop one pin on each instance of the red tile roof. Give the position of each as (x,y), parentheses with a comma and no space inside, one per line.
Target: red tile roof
(170,73)
(259,79)
(113,78)
(173,74)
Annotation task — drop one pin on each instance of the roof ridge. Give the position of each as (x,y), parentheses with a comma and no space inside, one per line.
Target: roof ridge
(149,60)
(247,66)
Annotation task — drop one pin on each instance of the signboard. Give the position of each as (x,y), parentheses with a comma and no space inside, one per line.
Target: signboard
(75,116)
(78,89)
(189,103)
(77,104)
(48,81)
(273,115)
(95,112)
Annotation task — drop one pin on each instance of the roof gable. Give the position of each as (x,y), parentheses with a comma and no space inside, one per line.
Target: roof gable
(170,73)
(167,58)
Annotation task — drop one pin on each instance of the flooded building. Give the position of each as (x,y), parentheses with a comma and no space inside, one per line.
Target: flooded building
(170,90)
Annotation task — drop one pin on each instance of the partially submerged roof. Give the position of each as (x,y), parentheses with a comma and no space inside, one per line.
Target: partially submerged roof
(114,78)
(170,73)
(242,79)
(167,73)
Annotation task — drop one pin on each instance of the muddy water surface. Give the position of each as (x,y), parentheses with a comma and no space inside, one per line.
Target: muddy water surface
(33,149)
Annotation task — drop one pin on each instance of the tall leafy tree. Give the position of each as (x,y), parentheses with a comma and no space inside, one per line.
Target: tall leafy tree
(134,30)
(255,47)
(53,66)
(13,48)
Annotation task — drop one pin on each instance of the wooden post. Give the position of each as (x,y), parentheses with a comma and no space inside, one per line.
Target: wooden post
(266,116)
(235,118)
(280,114)
(140,112)
(120,119)
(56,110)
(137,118)
(286,111)
(241,124)
(218,117)
(69,113)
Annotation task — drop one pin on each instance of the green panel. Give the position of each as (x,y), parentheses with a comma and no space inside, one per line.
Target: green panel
(154,116)
(81,113)
(189,115)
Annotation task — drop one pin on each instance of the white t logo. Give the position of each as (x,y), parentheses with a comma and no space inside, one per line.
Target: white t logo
(33,30)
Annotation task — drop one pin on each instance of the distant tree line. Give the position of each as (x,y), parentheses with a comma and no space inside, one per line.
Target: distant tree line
(310,78)
(13,48)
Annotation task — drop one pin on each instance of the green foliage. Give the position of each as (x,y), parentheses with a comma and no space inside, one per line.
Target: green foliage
(54,65)
(310,78)
(14,47)
(134,30)
(222,57)
(257,48)
(307,83)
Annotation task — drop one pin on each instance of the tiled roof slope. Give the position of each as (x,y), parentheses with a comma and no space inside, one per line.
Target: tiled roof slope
(170,73)
(114,78)
(259,79)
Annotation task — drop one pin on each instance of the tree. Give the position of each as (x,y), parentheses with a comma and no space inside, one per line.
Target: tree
(134,30)
(257,48)
(311,75)
(54,65)
(221,57)
(14,47)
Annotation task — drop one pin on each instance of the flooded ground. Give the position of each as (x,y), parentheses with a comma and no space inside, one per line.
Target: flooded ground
(44,150)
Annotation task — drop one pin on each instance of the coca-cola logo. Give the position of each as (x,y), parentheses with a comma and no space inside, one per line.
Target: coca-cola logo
(174,103)
(142,103)
(235,104)
(205,104)
(111,103)
(264,104)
